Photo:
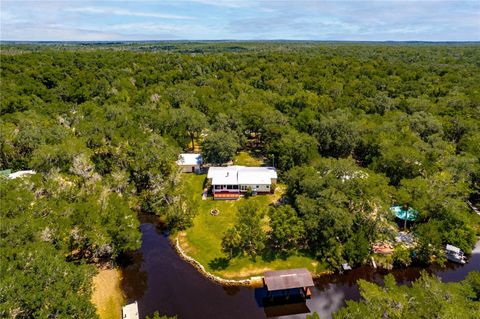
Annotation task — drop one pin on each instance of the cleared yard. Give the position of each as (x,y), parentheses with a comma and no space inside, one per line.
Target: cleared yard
(202,241)
(245,159)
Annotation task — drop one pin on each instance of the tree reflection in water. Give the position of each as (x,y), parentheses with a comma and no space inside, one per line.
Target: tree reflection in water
(134,279)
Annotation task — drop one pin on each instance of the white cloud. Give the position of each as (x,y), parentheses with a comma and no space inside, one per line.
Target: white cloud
(124,12)
(240,19)
(58,33)
(226,3)
(144,27)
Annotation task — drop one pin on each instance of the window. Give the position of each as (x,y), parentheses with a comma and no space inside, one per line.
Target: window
(229,186)
(268,186)
(235,186)
(218,186)
(257,186)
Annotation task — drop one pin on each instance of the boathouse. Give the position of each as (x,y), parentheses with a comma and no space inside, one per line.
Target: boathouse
(288,282)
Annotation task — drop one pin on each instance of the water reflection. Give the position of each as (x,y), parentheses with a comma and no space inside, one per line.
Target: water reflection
(134,289)
(231,291)
(287,309)
(281,303)
(160,281)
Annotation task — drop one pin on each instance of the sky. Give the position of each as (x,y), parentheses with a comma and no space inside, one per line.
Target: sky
(380,20)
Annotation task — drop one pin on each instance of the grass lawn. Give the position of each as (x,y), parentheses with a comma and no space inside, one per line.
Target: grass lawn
(202,241)
(107,295)
(246,159)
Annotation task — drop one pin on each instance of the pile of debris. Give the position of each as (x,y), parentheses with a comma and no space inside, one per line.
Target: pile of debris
(407,239)
(382,248)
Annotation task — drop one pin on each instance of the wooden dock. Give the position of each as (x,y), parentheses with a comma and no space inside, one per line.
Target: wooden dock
(130,311)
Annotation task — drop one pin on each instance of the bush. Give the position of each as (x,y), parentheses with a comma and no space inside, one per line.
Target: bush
(249,192)
(402,257)
(273,187)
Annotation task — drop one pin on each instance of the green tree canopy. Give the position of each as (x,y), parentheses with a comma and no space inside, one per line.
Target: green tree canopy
(427,298)
(219,147)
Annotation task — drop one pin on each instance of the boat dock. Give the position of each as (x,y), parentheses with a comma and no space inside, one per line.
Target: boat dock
(130,311)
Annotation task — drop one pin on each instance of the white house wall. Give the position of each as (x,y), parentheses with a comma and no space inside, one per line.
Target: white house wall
(188,168)
(263,188)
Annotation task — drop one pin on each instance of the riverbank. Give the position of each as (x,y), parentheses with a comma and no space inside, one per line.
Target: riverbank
(254,281)
(107,293)
(202,241)
(160,280)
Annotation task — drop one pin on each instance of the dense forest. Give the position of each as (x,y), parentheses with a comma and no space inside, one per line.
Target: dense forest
(352,129)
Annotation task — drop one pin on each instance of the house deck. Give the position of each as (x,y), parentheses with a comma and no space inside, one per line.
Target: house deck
(226,195)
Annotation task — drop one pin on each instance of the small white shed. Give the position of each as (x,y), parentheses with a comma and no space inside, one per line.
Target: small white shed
(190,162)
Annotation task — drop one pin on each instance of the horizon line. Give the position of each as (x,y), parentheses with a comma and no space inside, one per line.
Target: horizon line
(236,40)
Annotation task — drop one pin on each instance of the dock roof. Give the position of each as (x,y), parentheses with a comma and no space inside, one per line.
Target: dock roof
(287,279)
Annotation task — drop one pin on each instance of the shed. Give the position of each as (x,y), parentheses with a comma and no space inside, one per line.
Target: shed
(288,279)
(190,162)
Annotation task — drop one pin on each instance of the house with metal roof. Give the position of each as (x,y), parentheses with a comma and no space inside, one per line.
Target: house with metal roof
(231,181)
(190,162)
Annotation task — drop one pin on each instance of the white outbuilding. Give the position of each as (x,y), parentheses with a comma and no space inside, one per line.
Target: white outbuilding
(190,162)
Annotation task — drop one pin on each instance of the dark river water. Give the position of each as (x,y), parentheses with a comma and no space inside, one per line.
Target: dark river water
(160,281)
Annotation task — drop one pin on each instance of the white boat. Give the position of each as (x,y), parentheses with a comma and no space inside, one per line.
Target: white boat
(130,311)
(455,254)
(346,267)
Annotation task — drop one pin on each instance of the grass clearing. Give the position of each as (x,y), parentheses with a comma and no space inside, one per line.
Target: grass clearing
(107,295)
(202,241)
(246,159)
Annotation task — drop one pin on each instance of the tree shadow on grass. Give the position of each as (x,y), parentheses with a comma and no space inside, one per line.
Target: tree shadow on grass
(219,263)
(269,255)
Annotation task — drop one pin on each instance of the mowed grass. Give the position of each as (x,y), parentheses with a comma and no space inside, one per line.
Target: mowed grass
(202,241)
(246,159)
